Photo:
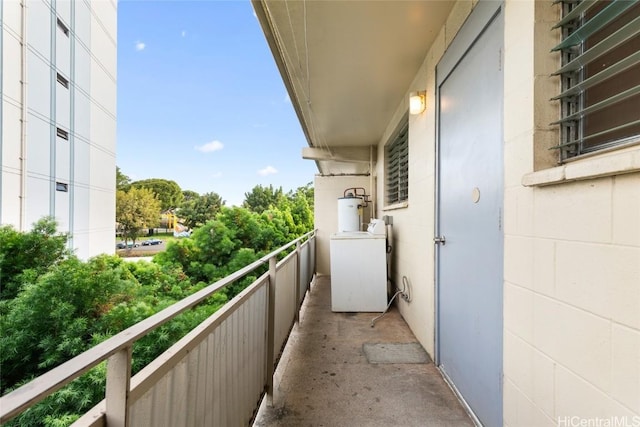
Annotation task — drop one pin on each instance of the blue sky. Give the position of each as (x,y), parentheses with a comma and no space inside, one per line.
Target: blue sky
(201,102)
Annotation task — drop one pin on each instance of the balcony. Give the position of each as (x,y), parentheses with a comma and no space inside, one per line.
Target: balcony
(335,367)
(338,370)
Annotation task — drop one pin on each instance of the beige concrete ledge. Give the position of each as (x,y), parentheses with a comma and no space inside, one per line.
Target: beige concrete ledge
(607,164)
(400,205)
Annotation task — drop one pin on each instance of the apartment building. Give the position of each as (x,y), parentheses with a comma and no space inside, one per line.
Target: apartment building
(58,118)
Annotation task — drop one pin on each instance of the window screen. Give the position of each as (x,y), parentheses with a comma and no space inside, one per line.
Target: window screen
(600,74)
(397,165)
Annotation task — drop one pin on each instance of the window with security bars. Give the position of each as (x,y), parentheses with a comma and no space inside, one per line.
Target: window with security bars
(600,74)
(397,165)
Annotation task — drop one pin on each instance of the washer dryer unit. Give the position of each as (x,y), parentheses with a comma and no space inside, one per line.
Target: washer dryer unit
(359,269)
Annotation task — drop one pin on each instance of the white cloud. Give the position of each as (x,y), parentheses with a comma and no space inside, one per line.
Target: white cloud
(269,170)
(216,175)
(210,147)
(140,46)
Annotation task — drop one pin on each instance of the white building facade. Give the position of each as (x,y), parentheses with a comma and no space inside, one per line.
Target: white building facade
(58,118)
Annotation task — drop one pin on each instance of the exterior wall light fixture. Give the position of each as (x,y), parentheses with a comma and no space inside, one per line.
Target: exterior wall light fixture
(417,102)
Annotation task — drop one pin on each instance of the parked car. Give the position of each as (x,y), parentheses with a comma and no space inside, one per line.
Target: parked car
(151,242)
(123,245)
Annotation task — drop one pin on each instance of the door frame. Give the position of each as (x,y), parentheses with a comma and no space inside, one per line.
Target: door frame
(482,16)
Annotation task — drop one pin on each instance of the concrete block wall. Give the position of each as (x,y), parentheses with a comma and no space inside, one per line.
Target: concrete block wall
(572,255)
(572,249)
(572,302)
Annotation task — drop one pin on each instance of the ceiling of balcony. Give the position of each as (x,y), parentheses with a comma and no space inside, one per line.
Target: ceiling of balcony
(347,65)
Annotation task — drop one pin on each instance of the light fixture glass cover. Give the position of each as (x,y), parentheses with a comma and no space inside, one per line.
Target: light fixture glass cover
(417,102)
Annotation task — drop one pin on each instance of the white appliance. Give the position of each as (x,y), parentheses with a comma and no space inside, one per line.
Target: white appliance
(349,213)
(359,269)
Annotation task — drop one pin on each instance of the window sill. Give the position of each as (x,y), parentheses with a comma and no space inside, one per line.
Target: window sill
(607,164)
(395,206)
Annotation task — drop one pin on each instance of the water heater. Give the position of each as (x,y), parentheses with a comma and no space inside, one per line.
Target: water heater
(348,213)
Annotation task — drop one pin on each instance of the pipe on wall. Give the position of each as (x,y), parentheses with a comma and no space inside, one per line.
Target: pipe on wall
(372,189)
(23,121)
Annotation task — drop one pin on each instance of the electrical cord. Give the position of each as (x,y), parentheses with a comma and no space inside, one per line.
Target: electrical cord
(399,292)
(375,319)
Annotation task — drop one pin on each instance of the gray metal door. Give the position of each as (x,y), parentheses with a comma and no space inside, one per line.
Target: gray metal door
(470,186)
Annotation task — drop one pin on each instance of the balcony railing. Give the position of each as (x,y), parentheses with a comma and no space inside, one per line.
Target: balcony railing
(215,375)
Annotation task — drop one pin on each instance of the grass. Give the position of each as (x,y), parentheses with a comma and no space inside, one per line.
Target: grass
(152,250)
(166,237)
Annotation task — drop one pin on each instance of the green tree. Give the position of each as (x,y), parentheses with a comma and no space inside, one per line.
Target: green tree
(306,191)
(188,195)
(275,230)
(25,256)
(214,245)
(196,211)
(136,209)
(260,198)
(168,192)
(67,306)
(301,211)
(244,224)
(234,239)
(52,319)
(122,180)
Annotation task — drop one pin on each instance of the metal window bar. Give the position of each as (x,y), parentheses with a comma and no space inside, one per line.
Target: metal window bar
(590,27)
(574,13)
(616,39)
(607,73)
(601,105)
(397,153)
(576,29)
(598,134)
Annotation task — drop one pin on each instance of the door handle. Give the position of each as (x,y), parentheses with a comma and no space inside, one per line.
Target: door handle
(439,240)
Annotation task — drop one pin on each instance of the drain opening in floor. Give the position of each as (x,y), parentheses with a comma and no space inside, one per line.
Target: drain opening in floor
(395,353)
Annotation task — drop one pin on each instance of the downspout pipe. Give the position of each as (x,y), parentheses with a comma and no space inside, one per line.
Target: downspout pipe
(372,190)
(23,122)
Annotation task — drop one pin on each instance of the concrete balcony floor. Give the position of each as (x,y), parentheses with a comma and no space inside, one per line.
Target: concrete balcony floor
(337,370)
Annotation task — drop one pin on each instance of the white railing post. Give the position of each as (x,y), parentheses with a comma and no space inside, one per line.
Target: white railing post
(122,392)
(271,321)
(296,304)
(117,392)
(312,259)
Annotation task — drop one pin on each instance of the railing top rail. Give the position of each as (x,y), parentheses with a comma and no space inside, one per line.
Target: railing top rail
(31,393)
